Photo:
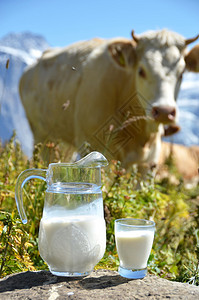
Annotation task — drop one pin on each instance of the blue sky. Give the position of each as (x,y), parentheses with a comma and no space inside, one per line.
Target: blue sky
(62,22)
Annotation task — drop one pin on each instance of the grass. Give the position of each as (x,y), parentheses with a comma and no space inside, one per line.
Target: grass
(175,209)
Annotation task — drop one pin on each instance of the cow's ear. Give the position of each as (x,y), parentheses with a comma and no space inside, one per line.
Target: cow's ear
(123,53)
(192,59)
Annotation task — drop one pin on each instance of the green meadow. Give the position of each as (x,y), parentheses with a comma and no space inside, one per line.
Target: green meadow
(173,207)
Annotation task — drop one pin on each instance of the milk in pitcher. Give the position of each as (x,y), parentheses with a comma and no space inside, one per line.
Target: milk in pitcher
(73,244)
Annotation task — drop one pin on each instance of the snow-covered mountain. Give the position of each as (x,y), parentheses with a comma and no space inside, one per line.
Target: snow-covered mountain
(16,52)
(23,49)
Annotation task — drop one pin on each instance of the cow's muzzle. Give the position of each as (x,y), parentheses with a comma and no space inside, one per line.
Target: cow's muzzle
(164,114)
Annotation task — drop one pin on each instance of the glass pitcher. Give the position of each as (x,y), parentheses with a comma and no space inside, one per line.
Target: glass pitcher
(72,233)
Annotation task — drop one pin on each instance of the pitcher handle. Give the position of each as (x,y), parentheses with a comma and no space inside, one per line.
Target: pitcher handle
(21,180)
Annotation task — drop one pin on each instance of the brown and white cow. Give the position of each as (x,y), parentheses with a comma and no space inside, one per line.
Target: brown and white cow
(185,159)
(115,94)
(192,61)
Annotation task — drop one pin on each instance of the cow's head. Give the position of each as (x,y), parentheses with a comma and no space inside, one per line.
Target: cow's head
(158,59)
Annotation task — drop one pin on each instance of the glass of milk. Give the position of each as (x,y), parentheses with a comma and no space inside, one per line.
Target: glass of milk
(134,240)
(72,232)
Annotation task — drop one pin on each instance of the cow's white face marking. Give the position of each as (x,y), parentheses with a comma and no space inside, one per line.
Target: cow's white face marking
(158,77)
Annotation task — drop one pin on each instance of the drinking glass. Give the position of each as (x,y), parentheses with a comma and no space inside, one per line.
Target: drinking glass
(134,240)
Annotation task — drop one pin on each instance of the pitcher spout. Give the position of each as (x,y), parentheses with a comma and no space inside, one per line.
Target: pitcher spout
(93,159)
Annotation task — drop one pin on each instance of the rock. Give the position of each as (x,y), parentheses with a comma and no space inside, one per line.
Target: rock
(100,284)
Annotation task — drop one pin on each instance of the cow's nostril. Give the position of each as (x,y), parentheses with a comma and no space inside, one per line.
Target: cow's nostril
(155,112)
(172,114)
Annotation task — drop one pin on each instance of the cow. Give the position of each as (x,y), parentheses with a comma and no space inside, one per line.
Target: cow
(185,159)
(118,94)
(192,61)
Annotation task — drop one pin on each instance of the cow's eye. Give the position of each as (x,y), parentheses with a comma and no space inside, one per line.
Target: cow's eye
(141,72)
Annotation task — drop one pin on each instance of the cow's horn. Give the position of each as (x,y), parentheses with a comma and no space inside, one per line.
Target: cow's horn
(135,38)
(189,41)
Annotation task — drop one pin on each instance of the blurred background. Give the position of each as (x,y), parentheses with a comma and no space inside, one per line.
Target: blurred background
(28,27)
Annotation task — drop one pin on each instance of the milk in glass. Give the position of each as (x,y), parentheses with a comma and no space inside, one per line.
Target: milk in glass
(134,248)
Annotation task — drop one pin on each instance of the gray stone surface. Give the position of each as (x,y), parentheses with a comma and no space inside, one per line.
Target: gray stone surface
(100,284)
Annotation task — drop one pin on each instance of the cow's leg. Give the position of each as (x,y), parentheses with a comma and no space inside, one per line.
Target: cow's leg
(146,172)
(53,150)
(148,168)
